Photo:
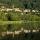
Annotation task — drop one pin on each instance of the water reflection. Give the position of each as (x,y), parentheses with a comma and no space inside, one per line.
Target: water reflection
(23,36)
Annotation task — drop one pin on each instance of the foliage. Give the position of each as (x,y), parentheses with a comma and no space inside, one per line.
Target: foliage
(17,21)
(32,4)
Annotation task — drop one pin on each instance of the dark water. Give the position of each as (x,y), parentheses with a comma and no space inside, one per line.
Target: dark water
(22,36)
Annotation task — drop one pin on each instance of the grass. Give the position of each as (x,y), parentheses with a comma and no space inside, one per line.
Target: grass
(9,22)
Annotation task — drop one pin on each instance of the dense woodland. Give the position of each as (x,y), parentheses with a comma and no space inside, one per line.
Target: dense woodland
(28,4)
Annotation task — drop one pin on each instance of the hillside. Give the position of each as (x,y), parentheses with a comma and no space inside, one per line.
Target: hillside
(32,4)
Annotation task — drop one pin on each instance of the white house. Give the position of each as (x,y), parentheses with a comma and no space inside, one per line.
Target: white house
(17,10)
(26,10)
(34,10)
(8,9)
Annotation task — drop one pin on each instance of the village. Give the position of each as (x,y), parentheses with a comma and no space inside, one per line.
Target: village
(19,19)
(4,8)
